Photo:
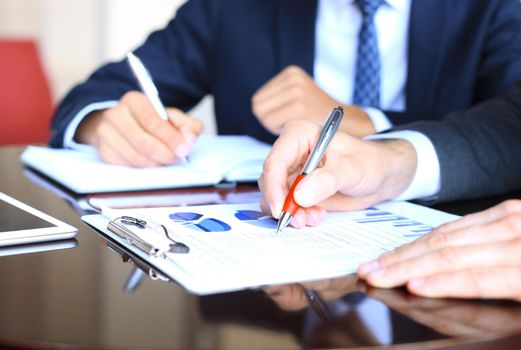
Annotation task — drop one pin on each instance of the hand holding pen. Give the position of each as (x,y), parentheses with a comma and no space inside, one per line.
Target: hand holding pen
(146,83)
(132,132)
(324,138)
(355,173)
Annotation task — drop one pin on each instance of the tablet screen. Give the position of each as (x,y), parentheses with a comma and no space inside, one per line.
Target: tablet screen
(22,224)
(15,219)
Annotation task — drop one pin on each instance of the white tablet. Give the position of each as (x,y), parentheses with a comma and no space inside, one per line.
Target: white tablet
(22,224)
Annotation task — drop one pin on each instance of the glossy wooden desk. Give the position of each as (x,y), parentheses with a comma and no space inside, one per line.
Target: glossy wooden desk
(86,297)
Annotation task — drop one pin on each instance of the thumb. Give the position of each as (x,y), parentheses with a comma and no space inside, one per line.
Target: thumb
(316,187)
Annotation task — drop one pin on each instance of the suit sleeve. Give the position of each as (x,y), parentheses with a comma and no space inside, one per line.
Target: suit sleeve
(500,65)
(178,58)
(479,150)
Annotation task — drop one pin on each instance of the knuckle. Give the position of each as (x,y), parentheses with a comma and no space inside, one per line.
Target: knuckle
(513,222)
(154,125)
(507,279)
(475,277)
(296,79)
(296,92)
(298,108)
(295,126)
(514,282)
(511,206)
(111,115)
(448,256)
(437,240)
(144,145)
(267,168)
(138,162)
(293,70)
(257,109)
(129,97)
(514,248)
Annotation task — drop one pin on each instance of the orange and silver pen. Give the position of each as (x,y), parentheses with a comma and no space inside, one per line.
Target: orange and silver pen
(326,134)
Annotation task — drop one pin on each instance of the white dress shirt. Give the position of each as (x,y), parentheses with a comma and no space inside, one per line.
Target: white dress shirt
(336,41)
(337,25)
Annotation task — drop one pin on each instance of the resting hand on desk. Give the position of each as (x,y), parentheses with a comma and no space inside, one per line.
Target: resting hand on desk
(292,94)
(354,174)
(478,256)
(133,134)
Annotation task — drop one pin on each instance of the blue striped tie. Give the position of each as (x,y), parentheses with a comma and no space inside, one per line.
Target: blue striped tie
(367,80)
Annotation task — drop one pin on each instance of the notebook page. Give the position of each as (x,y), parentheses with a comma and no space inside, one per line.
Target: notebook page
(83,171)
(234,157)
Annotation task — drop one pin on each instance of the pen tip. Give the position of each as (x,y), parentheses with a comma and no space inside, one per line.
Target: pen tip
(283,221)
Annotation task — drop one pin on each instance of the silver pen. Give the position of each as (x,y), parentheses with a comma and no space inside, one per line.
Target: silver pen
(149,89)
(326,134)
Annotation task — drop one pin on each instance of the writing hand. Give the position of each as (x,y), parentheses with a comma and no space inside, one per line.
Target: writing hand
(292,94)
(474,257)
(133,134)
(354,173)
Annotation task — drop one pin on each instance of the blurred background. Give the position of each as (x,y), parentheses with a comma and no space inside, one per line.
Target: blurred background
(75,37)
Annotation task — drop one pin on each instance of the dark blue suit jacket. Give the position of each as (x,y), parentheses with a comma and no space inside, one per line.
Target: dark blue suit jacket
(460,52)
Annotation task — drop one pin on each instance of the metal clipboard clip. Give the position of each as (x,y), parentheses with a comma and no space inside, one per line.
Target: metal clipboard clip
(122,226)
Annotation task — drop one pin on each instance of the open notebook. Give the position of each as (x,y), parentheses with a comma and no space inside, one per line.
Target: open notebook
(212,159)
(218,248)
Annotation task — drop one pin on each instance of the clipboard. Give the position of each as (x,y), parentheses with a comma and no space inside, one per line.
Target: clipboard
(125,239)
(232,247)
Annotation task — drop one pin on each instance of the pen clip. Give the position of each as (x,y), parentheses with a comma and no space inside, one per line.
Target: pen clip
(326,135)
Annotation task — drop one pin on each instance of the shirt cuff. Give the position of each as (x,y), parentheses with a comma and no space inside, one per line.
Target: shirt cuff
(70,131)
(426,183)
(378,118)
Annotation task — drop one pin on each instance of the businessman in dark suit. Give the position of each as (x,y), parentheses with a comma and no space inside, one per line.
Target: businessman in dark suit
(478,155)
(436,56)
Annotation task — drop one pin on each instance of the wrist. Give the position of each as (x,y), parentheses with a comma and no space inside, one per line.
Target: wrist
(86,132)
(356,122)
(399,163)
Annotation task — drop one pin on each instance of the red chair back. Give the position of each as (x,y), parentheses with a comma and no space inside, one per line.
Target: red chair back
(25,96)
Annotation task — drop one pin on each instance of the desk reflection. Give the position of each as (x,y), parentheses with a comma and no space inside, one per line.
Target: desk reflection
(362,316)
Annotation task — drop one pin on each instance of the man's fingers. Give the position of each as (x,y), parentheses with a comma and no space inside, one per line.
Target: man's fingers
(498,282)
(270,100)
(161,131)
(446,260)
(289,76)
(276,119)
(183,121)
(114,148)
(466,235)
(491,214)
(287,156)
(109,155)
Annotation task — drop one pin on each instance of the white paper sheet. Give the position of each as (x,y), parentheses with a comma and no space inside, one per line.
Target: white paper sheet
(235,253)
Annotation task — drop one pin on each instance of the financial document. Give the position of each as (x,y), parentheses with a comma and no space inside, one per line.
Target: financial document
(234,247)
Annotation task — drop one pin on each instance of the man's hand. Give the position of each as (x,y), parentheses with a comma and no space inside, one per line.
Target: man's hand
(477,256)
(293,94)
(133,134)
(354,173)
